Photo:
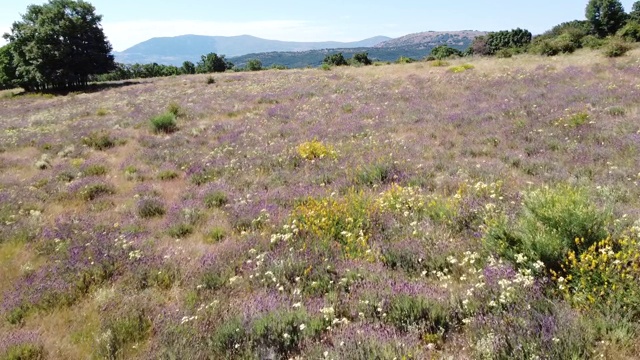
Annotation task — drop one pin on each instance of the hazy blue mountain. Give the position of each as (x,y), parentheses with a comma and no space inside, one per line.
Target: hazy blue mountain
(175,50)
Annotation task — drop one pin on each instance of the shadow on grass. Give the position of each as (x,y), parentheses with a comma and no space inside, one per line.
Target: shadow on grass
(91,88)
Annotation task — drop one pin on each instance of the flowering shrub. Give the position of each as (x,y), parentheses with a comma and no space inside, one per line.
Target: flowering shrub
(606,274)
(401,200)
(314,149)
(329,222)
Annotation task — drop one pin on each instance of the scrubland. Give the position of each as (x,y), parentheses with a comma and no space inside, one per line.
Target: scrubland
(480,210)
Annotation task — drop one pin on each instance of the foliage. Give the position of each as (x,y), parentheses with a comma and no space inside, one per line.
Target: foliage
(211,62)
(517,38)
(630,32)
(254,65)
(165,123)
(59,45)
(188,67)
(149,207)
(461,68)
(314,149)
(99,140)
(407,312)
(7,68)
(335,60)
(131,327)
(604,275)
(444,52)
(284,331)
(616,49)
(215,199)
(634,15)
(329,222)
(362,58)
(606,16)
(552,218)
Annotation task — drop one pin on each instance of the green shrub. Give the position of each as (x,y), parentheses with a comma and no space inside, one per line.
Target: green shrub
(461,68)
(284,331)
(616,48)
(166,175)
(548,225)
(216,235)
(175,109)
(504,53)
(335,60)
(406,312)
(210,80)
(630,32)
(314,149)
(95,170)
(99,140)
(24,351)
(444,51)
(133,327)
(592,42)
(362,58)
(165,123)
(254,65)
(93,191)
(405,60)
(150,207)
(439,63)
(216,199)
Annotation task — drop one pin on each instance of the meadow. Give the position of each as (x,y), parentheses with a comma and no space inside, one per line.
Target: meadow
(482,209)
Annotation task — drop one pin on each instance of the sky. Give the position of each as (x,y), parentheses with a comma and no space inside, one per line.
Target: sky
(129,22)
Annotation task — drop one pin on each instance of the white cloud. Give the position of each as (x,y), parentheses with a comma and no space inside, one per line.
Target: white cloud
(123,35)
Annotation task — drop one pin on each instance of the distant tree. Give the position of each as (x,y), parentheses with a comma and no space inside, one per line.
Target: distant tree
(254,65)
(335,60)
(635,12)
(188,67)
(479,46)
(444,51)
(7,69)
(213,63)
(58,45)
(362,58)
(606,16)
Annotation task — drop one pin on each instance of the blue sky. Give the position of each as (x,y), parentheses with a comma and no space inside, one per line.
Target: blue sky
(127,23)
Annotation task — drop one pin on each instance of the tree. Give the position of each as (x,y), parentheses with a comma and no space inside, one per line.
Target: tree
(444,51)
(7,69)
(335,60)
(362,58)
(254,65)
(213,63)
(606,16)
(635,11)
(59,45)
(188,67)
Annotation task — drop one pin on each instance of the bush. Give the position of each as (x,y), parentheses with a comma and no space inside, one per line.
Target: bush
(314,149)
(215,199)
(150,207)
(121,331)
(93,191)
(99,140)
(175,109)
(616,48)
(461,68)
(95,170)
(210,80)
(335,60)
(592,42)
(439,63)
(405,60)
(407,312)
(504,53)
(362,58)
(549,223)
(165,123)
(630,32)
(284,331)
(444,51)
(254,65)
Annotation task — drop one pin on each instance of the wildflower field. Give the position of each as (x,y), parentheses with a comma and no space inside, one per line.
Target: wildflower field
(480,210)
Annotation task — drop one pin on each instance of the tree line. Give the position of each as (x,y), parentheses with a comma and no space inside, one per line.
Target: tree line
(61,45)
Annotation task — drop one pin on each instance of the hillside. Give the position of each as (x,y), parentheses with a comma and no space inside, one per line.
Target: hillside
(433,38)
(176,50)
(485,209)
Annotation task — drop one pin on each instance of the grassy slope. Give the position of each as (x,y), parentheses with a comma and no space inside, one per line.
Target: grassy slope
(508,122)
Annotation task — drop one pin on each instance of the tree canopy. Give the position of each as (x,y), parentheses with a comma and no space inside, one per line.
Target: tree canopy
(213,63)
(59,45)
(606,16)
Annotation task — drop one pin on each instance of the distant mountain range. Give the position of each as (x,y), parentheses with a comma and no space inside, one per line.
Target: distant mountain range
(176,50)
(240,49)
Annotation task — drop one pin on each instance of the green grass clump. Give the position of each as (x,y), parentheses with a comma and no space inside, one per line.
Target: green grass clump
(616,49)
(439,63)
(166,175)
(461,68)
(165,123)
(95,170)
(94,191)
(25,351)
(120,332)
(216,235)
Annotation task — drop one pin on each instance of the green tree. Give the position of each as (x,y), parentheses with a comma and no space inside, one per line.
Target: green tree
(606,16)
(7,69)
(59,45)
(362,58)
(213,63)
(188,67)
(335,60)
(254,65)
(444,51)
(635,12)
